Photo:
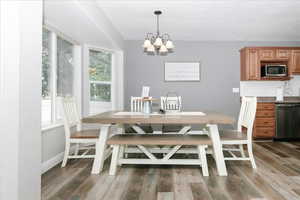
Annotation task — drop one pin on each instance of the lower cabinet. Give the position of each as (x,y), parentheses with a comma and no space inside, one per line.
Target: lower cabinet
(264,125)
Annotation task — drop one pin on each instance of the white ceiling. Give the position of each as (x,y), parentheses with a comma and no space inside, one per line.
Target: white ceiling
(82,22)
(207,20)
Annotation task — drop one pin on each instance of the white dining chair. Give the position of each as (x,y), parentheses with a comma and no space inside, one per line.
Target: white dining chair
(171,104)
(136,104)
(82,139)
(238,137)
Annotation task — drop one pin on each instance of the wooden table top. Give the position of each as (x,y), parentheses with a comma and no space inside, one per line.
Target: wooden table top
(110,118)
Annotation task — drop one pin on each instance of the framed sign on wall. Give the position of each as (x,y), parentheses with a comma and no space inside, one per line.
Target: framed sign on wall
(182,71)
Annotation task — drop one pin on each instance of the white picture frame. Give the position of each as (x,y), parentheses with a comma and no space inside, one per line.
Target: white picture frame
(182,71)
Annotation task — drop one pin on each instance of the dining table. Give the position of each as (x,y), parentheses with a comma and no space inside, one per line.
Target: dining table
(211,119)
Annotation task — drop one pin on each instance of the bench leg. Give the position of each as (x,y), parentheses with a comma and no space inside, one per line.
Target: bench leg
(202,157)
(76,149)
(114,160)
(121,153)
(242,151)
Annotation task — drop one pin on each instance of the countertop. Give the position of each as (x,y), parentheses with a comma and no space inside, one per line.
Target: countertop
(294,99)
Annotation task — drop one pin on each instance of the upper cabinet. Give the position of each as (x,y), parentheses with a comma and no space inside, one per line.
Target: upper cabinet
(266,54)
(283,53)
(253,60)
(250,64)
(295,68)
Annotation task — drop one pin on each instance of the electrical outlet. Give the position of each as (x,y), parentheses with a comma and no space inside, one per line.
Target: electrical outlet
(235,90)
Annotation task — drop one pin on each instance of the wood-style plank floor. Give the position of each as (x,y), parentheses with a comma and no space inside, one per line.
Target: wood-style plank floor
(277,177)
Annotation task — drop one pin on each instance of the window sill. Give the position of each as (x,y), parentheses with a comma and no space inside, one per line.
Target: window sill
(52,126)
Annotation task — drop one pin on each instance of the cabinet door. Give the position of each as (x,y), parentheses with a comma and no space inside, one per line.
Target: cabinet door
(283,53)
(253,67)
(264,132)
(295,69)
(267,54)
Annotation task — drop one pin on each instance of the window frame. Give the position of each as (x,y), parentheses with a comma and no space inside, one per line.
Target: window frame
(98,106)
(54,34)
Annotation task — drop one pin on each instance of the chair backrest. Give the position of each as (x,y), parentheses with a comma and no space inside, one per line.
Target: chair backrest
(136,104)
(171,103)
(247,115)
(69,113)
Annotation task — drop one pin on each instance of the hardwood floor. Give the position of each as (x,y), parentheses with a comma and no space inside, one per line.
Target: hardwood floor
(277,177)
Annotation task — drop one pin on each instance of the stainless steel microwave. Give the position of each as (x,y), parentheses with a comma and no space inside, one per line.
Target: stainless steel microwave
(274,70)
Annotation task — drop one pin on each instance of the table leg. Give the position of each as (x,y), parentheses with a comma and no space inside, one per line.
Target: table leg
(122,147)
(100,149)
(217,147)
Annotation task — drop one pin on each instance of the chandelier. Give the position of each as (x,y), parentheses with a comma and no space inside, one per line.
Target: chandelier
(157,43)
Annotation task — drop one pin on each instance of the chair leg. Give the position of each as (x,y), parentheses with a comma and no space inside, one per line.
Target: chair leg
(242,150)
(76,149)
(114,160)
(67,152)
(250,152)
(202,157)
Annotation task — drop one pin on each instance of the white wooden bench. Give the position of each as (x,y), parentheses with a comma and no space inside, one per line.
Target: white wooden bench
(142,141)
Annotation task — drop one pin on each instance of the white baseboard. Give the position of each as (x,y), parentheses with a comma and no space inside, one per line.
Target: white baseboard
(47,165)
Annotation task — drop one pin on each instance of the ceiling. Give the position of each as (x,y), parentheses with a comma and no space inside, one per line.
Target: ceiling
(207,20)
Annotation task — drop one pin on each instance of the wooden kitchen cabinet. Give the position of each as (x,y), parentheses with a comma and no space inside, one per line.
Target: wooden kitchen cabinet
(254,58)
(295,69)
(266,54)
(250,68)
(283,53)
(264,125)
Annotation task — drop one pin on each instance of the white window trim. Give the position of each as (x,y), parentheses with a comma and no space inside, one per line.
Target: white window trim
(60,34)
(102,82)
(77,51)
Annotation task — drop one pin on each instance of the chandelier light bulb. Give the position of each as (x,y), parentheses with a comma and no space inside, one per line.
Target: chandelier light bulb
(151,48)
(147,43)
(158,42)
(163,49)
(169,44)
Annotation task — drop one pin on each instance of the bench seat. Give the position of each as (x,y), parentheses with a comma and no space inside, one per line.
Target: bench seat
(159,139)
(119,141)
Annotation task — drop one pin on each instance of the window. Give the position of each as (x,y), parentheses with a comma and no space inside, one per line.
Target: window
(100,76)
(46,78)
(100,66)
(57,74)
(64,68)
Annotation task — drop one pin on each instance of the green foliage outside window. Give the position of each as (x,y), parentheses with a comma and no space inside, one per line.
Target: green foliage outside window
(46,69)
(100,66)
(100,92)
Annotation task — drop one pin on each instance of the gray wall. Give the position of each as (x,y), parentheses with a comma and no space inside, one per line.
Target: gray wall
(220,72)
